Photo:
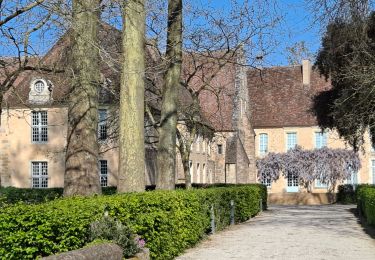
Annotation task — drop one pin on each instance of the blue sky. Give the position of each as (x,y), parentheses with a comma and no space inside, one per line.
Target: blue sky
(295,27)
(298,25)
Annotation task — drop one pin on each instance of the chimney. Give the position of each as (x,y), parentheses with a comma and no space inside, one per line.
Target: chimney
(306,72)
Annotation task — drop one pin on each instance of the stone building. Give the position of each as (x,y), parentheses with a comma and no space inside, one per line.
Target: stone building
(33,131)
(251,112)
(281,103)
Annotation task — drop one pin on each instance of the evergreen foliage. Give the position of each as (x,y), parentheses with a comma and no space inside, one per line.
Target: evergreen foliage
(169,221)
(366,202)
(347,59)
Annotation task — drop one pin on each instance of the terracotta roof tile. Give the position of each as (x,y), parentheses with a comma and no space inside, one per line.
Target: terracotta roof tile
(279,99)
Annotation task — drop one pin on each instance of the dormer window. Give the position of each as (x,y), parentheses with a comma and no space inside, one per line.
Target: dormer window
(40,91)
(39,86)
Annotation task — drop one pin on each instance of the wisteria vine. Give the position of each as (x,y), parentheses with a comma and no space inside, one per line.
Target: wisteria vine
(324,164)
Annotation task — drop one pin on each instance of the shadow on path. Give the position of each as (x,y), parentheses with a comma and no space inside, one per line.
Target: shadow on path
(292,232)
(369,230)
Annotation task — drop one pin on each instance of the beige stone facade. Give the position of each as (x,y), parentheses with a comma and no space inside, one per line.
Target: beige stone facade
(277,143)
(36,158)
(209,162)
(282,101)
(242,105)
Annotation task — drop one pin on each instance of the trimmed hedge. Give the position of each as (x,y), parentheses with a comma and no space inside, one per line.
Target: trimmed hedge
(346,194)
(11,195)
(169,221)
(366,202)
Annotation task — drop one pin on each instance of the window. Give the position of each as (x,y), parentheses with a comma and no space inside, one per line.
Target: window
(198,173)
(291,140)
(267,182)
(373,171)
(39,125)
(39,174)
(191,170)
(220,149)
(39,86)
(198,144)
(320,184)
(353,179)
(102,127)
(263,144)
(320,140)
(292,180)
(204,173)
(103,167)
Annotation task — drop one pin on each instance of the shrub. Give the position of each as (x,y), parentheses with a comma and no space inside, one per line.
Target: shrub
(346,194)
(366,202)
(12,195)
(109,229)
(169,221)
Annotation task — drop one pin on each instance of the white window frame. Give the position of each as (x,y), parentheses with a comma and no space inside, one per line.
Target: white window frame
(321,139)
(198,144)
(353,179)
(288,134)
(191,170)
(267,183)
(103,173)
(373,170)
(204,173)
(42,178)
(198,173)
(320,185)
(102,125)
(263,143)
(41,130)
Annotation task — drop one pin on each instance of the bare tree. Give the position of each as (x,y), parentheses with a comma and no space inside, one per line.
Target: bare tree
(131,135)
(81,172)
(166,159)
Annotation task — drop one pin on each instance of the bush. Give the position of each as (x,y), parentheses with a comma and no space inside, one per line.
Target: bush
(346,194)
(366,202)
(108,229)
(12,195)
(169,221)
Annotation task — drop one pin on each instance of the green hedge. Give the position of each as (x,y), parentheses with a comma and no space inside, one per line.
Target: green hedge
(366,202)
(169,221)
(11,195)
(346,194)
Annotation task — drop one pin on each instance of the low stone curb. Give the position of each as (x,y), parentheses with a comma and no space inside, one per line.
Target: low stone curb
(105,251)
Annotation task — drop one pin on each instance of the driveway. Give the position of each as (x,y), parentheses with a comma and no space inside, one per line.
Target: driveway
(291,232)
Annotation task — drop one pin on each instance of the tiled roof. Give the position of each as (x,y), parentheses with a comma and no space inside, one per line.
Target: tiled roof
(279,99)
(215,100)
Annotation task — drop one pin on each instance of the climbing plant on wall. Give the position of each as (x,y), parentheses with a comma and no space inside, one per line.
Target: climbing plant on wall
(325,164)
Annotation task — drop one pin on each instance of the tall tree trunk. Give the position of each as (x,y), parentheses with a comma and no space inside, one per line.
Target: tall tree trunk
(166,158)
(184,148)
(132,140)
(82,173)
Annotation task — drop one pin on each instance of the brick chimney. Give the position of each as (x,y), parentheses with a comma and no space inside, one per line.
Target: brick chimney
(306,72)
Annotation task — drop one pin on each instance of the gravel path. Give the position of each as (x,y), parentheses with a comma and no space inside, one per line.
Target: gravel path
(291,232)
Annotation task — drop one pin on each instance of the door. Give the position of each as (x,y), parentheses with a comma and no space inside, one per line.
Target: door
(292,183)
